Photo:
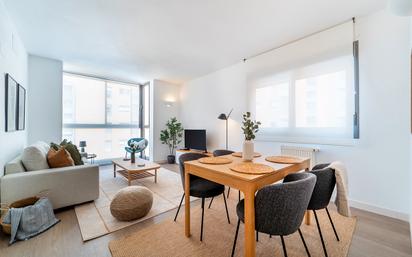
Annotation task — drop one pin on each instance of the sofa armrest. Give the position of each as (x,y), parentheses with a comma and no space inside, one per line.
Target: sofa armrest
(63,186)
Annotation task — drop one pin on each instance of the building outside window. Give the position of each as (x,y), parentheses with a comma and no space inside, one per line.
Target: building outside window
(105,114)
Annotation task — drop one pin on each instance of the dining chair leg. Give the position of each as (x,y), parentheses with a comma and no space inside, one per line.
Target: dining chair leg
(180,205)
(227,211)
(270,236)
(234,243)
(211,201)
(228,192)
(333,225)
(257,236)
(304,243)
(201,224)
(320,233)
(239,196)
(285,253)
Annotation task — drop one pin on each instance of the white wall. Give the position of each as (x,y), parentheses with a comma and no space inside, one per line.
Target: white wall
(203,99)
(45,99)
(379,163)
(13,60)
(161,92)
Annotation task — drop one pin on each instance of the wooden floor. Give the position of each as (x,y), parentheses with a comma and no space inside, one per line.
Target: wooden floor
(375,235)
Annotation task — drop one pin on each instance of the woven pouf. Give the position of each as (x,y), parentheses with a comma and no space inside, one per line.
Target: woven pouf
(131,203)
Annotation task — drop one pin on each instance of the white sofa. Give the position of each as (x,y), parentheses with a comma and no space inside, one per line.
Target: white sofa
(63,186)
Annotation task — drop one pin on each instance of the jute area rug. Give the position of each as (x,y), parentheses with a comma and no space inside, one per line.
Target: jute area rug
(95,219)
(167,238)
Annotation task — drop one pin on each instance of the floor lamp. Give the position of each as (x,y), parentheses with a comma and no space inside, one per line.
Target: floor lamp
(225,117)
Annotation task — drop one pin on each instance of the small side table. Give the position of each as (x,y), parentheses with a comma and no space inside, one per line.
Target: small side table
(91,157)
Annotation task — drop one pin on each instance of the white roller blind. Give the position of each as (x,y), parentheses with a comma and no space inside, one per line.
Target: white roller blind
(303,92)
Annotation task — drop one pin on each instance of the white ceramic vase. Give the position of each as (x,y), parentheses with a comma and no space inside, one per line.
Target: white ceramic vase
(248,150)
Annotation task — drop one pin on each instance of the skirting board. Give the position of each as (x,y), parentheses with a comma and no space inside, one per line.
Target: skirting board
(375,209)
(380,210)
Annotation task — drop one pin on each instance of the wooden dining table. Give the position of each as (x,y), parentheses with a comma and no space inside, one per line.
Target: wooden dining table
(249,184)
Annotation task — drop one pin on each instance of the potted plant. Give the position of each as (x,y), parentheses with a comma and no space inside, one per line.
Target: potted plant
(172,136)
(250,128)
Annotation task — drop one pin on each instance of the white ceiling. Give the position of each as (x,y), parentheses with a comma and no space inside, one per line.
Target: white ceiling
(173,40)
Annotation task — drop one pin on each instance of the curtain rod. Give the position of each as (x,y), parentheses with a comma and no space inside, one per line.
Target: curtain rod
(301,38)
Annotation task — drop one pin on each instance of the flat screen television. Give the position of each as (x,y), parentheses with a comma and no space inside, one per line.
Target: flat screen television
(195,139)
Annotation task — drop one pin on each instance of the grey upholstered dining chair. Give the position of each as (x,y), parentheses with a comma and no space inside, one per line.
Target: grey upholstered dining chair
(199,187)
(325,184)
(280,208)
(222,152)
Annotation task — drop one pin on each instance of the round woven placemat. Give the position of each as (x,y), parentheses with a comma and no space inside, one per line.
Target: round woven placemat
(252,168)
(215,160)
(284,159)
(239,154)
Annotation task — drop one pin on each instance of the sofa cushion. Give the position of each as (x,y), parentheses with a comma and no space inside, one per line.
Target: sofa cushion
(14,166)
(74,152)
(34,157)
(60,158)
(55,146)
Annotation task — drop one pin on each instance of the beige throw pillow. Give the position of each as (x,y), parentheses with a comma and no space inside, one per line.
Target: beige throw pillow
(34,157)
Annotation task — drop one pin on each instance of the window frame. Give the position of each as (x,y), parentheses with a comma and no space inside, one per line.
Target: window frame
(143,103)
(140,125)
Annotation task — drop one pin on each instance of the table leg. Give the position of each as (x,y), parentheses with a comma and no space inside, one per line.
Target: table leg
(250,245)
(114,170)
(155,175)
(308,216)
(187,204)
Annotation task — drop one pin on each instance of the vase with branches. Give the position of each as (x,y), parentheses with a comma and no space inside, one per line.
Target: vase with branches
(249,128)
(172,137)
(133,147)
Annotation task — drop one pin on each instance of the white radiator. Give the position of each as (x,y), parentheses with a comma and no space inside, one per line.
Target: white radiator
(305,152)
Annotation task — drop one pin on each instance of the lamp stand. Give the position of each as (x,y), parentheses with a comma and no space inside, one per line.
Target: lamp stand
(227,132)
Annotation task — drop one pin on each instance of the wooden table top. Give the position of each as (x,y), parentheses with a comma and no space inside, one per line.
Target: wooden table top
(127,165)
(226,171)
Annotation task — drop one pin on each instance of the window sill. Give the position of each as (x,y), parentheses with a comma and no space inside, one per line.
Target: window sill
(309,140)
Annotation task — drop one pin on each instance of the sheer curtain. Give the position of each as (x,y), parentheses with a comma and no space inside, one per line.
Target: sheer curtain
(304,92)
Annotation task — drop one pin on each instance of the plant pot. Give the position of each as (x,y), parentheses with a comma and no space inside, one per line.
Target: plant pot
(248,151)
(133,157)
(171,159)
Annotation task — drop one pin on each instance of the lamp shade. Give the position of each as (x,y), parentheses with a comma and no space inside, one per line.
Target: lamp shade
(400,7)
(82,144)
(222,116)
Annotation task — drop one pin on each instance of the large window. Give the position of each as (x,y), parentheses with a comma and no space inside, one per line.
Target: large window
(311,102)
(105,114)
